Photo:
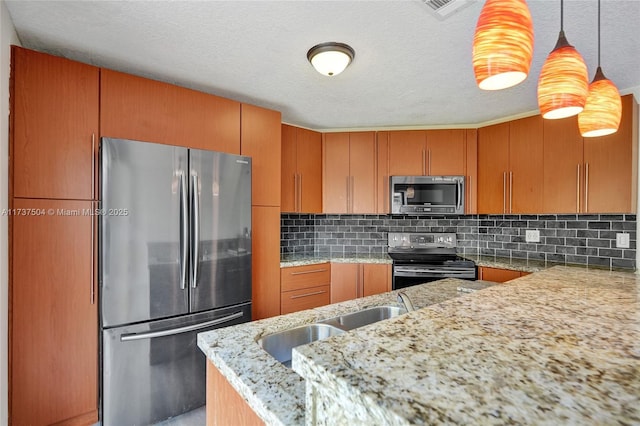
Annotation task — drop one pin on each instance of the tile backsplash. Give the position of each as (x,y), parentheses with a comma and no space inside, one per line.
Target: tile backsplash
(585,239)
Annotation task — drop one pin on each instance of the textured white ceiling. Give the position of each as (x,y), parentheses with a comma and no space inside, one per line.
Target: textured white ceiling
(410,68)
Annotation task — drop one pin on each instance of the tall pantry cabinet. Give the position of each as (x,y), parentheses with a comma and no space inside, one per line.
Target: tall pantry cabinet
(53,323)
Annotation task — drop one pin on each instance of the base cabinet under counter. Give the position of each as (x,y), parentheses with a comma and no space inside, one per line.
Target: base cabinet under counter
(304,287)
(498,275)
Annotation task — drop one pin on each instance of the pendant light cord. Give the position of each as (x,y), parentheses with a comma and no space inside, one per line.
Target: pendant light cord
(598,33)
(562,14)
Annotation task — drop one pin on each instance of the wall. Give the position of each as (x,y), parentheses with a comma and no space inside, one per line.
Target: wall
(587,239)
(7,37)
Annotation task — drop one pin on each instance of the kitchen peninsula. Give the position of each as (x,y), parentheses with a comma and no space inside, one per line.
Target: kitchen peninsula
(558,346)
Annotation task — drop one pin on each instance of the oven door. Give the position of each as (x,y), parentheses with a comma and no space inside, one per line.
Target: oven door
(414,274)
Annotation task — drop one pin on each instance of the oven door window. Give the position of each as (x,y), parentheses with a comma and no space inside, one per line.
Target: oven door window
(435,194)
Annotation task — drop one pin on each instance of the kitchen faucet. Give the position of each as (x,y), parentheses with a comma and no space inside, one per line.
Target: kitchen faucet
(406,301)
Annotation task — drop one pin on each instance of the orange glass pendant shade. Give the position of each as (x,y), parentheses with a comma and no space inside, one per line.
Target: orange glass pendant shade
(563,84)
(502,44)
(603,110)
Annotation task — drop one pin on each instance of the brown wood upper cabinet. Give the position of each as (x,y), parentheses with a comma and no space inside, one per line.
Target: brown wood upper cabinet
(352,280)
(261,140)
(301,190)
(510,161)
(53,315)
(137,108)
(349,172)
(54,126)
(427,152)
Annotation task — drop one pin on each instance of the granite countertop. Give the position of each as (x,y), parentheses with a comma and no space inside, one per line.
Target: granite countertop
(276,393)
(556,347)
(302,260)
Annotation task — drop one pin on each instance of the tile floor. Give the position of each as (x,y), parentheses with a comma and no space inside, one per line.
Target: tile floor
(196,417)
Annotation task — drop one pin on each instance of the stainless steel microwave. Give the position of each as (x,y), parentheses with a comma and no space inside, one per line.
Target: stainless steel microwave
(423,195)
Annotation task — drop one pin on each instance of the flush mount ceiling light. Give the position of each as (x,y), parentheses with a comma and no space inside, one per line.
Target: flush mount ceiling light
(602,112)
(330,58)
(563,84)
(502,44)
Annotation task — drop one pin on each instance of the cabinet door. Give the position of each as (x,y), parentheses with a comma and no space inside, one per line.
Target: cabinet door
(261,139)
(376,279)
(265,261)
(471,183)
(337,180)
(407,153)
(446,152)
(309,160)
(563,168)
(362,161)
(289,186)
(138,108)
(55,122)
(54,322)
(493,164)
(344,281)
(382,173)
(525,165)
(498,275)
(611,161)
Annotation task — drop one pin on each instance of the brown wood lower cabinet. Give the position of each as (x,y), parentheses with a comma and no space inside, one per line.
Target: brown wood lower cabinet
(304,287)
(53,316)
(353,280)
(498,275)
(225,406)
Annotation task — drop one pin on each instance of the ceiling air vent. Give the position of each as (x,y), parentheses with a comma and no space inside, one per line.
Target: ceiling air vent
(444,8)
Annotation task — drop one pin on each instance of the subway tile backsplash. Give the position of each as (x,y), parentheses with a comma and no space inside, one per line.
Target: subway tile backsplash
(588,239)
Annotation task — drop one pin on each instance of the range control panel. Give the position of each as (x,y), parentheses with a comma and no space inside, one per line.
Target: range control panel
(421,240)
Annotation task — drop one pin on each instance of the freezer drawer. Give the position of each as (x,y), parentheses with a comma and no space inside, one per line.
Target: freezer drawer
(153,371)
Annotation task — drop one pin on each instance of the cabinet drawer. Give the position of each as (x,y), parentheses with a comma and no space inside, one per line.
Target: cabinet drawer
(299,300)
(300,277)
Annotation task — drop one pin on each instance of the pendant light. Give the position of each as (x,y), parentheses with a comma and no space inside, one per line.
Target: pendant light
(502,44)
(563,82)
(330,58)
(602,112)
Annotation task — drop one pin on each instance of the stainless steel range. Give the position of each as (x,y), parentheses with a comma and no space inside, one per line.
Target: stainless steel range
(423,257)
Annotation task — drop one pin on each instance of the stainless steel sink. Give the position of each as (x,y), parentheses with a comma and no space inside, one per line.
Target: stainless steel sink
(365,317)
(280,344)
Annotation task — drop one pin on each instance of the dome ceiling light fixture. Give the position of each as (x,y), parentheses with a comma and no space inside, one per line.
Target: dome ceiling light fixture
(330,58)
(603,110)
(502,44)
(563,82)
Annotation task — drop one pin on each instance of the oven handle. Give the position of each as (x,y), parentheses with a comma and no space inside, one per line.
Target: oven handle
(438,272)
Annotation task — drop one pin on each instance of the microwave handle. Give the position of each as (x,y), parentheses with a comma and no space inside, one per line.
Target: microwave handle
(459,200)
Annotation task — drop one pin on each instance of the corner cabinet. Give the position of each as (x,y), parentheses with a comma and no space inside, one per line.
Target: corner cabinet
(349,164)
(301,190)
(54,317)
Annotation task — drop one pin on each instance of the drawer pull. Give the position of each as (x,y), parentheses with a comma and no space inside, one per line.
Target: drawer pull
(313,271)
(307,294)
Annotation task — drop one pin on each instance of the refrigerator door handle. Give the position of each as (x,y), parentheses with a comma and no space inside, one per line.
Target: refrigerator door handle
(184,231)
(195,237)
(179,330)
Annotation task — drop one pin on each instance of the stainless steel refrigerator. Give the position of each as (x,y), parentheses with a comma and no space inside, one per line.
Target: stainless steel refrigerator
(175,260)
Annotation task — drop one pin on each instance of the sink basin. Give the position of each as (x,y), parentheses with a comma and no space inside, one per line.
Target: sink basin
(280,344)
(365,317)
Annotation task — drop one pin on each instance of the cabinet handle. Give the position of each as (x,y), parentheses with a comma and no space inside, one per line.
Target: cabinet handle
(470,203)
(424,163)
(578,190)
(510,192)
(295,192)
(313,271)
(348,193)
(300,193)
(93,166)
(93,253)
(504,192)
(429,153)
(586,187)
(352,196)
(307,294)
